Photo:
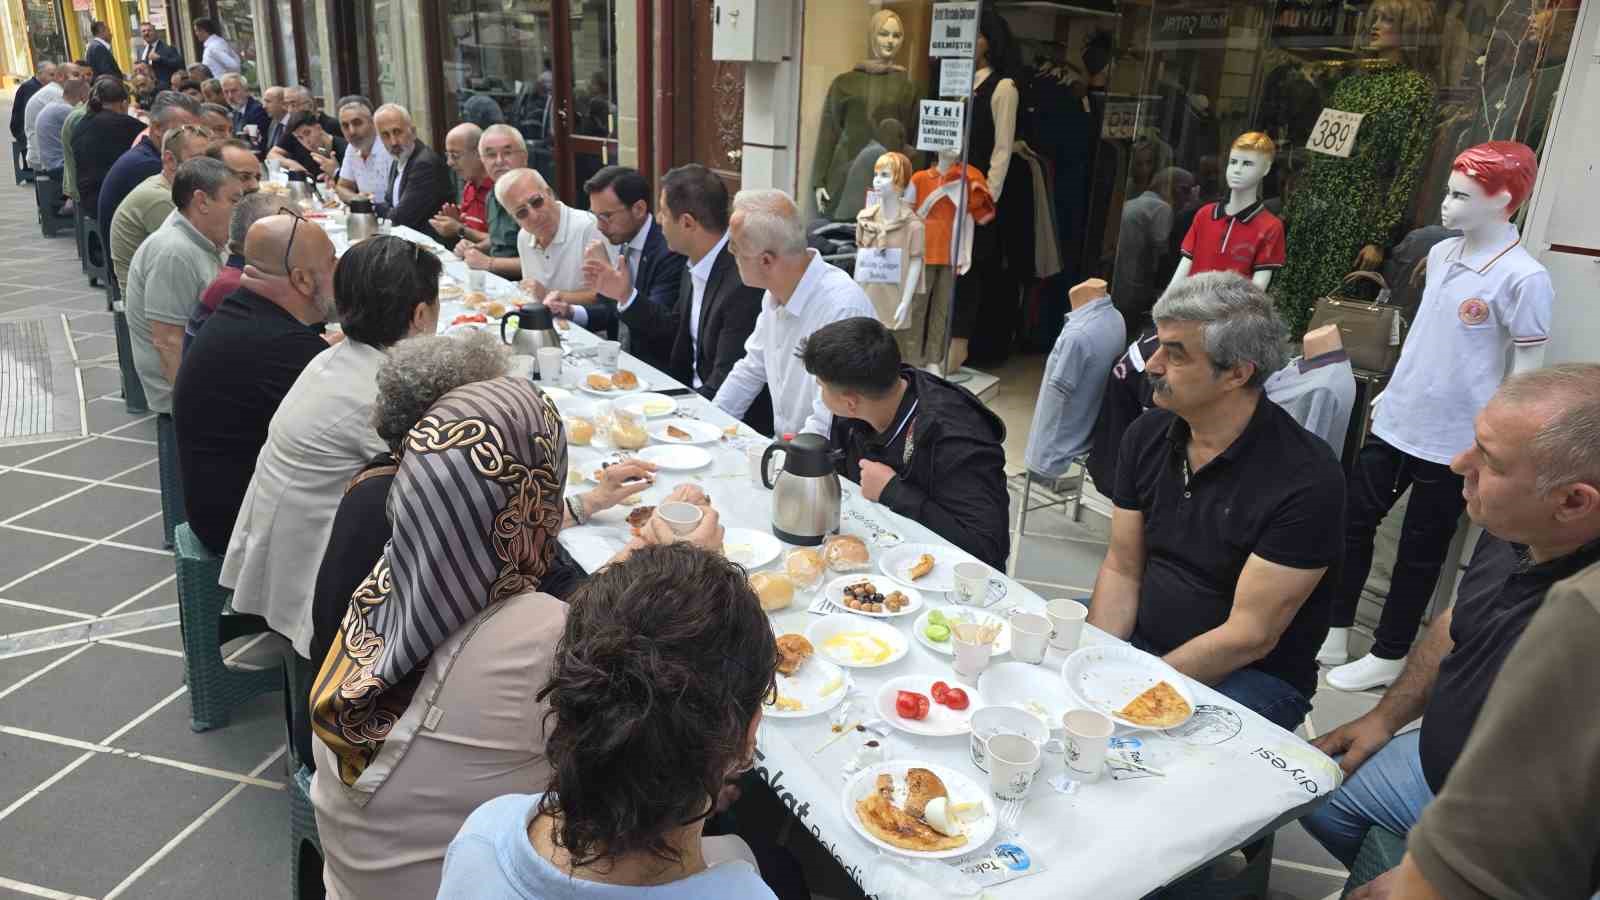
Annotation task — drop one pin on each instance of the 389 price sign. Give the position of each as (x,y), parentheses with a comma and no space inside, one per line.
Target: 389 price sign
(1335,132)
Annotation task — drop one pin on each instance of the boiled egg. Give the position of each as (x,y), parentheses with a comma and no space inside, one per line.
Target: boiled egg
(941,818)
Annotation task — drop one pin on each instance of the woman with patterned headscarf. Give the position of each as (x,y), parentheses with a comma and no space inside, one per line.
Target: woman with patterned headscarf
(425,707)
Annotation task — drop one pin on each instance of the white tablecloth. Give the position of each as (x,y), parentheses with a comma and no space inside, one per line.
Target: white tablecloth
(1228,775)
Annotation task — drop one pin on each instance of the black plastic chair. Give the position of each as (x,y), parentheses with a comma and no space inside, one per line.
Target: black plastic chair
(132,388)
(96,261)
(19,162)
(47,194)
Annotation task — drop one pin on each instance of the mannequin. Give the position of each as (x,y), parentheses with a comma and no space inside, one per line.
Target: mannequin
(857,102)
(1240,235)
(1318,388)
(1484,296)
(991,136)
(938,191)
(1345,212)
(888,223)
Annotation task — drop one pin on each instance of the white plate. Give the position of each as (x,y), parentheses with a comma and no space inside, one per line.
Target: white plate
(583,385)
(1105,677)
(648,404)
(1026,686)
(834,591)
(863,634)
(819,684)
(699,432)
(750,548)
(606,541)
(897,564)
(1002,644)
(980,828)
(675,457)
(941,721)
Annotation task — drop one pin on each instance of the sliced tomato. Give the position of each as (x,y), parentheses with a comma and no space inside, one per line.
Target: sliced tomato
(910,705)
(938,691)
(956,698)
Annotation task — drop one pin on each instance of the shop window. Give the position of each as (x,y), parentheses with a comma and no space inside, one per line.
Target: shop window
(239,26)
(44,31)
(498,67)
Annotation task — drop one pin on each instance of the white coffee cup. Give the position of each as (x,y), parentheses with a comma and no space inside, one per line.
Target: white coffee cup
(972,583)
(753,455)
(972,657)
(475,279)
(550,365)
(1029,635)
(680,517)
(1013,763)
(1066,623)
(1087,736)
(991,721)
(607,355)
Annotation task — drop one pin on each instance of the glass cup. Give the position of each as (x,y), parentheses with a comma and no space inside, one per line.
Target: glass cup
(972,583)
(606,356)
(1066,623)
(753,455)
(1088,735)
(1013,763)
(1029,635)
(475,280)
(550,365)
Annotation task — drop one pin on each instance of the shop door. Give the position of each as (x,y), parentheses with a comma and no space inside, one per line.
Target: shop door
(716,103)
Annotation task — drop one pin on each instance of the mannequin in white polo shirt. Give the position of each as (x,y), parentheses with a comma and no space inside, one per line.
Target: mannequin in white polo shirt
(1485,295)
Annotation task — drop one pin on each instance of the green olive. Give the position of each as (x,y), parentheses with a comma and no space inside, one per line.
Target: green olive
(935,617)
(938,632)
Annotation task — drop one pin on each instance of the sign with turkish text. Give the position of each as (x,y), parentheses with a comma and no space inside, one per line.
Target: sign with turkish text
(939,125)
(955,31)
(955,78)
(878,265)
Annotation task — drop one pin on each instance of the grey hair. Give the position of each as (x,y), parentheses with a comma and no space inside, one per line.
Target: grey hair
(356,101)
(250,209)
(162,109)
(771,224)
(1237,321)
(1566,448)
(394,108)
(172,141)
(509,180)
(233,76)
(422,369)
(202,173)
(299,90)
(503,130)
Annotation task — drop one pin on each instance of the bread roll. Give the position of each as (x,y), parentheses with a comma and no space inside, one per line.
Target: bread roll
(775,590)
(580,431)
(598,381)
(846,553)
(805,567)
(623,380)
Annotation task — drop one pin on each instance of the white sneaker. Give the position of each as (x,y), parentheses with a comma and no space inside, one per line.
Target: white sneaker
(1366,673)
(1336,649)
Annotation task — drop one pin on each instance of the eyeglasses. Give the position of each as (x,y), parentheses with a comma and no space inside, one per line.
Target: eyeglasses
(606,217)
(292,229)
(533,205)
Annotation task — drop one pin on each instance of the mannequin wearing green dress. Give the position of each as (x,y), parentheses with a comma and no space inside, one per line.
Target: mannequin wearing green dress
(857,101)
(1345,212)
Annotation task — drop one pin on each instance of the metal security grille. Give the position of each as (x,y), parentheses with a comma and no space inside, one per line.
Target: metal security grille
(38,393)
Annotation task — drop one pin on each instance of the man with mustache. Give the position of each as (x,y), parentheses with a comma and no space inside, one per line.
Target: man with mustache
(1226,537)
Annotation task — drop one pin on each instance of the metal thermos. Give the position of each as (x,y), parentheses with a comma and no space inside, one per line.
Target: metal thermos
(362,222)
(299,189)
(536,330)
(805,495)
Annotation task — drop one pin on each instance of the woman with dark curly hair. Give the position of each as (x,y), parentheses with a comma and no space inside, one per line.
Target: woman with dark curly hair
(654,700)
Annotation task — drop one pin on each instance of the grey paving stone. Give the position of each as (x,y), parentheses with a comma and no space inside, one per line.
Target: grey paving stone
(17,668)
(98,458)
(94,693)
(92,300)
(25,763)
(165,595)
(255,729)
(101,380)
(17,454)
(1295,884)
(20,491)
(25,552)
(102,821)
(93,581)
(242,851)
(14,619)
(150,534)
(106,414)
(169,637)
(96,346)
(1293,843)
(95,513)
(98,322)
(143,428)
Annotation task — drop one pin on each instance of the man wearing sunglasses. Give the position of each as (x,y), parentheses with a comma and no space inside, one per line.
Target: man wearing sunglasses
(552,241)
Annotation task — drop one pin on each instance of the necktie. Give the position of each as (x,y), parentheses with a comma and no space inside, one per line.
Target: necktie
(394,183)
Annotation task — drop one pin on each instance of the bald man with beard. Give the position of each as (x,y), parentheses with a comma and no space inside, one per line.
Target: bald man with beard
(244,361)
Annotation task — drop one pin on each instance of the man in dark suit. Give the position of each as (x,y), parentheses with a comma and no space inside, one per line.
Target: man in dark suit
(419,183)
(164,59)
(705,328)
(245,109)
(644,270)
(46,74)
(101,58)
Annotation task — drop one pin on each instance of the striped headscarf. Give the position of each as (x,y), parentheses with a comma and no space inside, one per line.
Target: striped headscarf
(476,507)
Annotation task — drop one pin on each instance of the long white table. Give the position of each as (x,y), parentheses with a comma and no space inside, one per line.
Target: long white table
(1228,774)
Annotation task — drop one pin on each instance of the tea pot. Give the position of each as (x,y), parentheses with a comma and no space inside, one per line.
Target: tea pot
(805,494)
(362,222)
(535,330)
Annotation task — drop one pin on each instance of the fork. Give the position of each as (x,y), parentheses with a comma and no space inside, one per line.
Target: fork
(1010,812)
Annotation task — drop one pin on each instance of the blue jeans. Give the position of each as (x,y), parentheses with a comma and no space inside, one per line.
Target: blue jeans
(1268,696)
(1388,790)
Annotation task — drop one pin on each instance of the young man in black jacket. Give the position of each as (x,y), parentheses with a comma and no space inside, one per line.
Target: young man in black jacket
(925,448)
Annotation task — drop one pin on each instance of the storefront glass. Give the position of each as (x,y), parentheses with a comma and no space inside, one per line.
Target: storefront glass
(312,35)
(594,89)
(284,33)
(498,68)
(239,26)
(44,31)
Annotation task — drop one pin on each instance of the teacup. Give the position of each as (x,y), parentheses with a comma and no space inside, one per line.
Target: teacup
(1066,623)
(1029,635)
(992,721)
(1013,762)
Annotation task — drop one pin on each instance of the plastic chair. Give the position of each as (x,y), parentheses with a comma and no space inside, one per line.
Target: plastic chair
(305,846)
(47,194)
(132,388)
(215,688)
(19,163)
(1381,850)
(96,262)
(172,508)
(1064,488)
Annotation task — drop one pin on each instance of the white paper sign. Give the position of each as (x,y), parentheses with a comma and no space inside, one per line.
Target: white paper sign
(158,18)
(1121,122)
(878,265)
(955,30)
(1335,132)
(955,78)
(939,125)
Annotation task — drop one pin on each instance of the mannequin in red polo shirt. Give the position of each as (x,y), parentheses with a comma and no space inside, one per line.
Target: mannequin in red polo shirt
(1241,236)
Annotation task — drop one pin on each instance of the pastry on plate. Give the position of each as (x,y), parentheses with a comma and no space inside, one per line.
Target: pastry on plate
(1160,706)
(846,553)
(921,567)
(674,431)
(640,515)
(897,827)
(580,432)
(495,309)
(774,588)
(804,566)
(793,651)
(623,380)
(449,291)
(922,786)
(475,299)
(598,381)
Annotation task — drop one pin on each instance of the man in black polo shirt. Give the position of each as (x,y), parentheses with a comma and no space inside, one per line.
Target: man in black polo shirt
(239,367)
(1227,529)
(925,448)
(1532,480)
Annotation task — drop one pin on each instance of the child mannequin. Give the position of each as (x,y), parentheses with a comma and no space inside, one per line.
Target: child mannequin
(1239,236)
(888,224)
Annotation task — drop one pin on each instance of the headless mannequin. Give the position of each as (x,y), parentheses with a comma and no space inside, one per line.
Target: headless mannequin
(1246,169)
(1087,292)
(889,203)
(886,34)
(1321,340)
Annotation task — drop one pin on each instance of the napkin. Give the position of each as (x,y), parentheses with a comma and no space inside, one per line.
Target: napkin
(895,878)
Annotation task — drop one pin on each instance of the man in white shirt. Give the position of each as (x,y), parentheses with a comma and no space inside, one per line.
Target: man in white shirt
(767,236)
(551,239)
(216,53)
(41,98)
(367,161)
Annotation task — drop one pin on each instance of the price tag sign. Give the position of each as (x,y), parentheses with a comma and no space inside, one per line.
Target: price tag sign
(1335,132)
(878,265)
(1121,122)
(954,31)
(955,78)
(939,125)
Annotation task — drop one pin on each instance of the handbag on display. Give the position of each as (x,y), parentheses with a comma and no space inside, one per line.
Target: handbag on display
(1372,330)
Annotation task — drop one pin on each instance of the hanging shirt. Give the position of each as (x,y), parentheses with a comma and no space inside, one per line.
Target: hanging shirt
(1246,242)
